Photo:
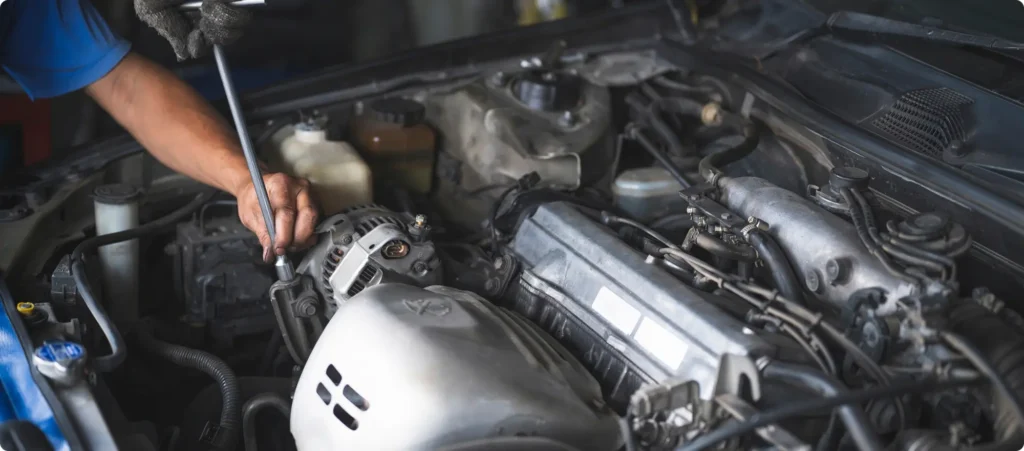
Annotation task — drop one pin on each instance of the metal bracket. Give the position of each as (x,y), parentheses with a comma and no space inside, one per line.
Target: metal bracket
(735,371)
(697,197)
(668,396)
(293,302)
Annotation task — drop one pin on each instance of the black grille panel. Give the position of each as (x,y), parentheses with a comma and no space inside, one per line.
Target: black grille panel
(363,280)
(369,216)
(928,121)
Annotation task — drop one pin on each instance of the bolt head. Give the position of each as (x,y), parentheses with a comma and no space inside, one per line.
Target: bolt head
(346,239)
(711,114)
(813,281)
(498,79)
(568,119)
(419,267)
(306,307)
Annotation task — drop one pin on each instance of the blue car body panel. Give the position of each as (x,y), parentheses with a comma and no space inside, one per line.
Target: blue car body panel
(20,397)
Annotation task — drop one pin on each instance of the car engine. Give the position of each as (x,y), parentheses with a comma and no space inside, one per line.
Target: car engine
(608,253)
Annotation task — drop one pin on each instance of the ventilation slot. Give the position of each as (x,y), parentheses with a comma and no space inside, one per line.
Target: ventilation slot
(330,264)
(372,222)
(355,398)
(928,121)
(323,393)
(333,375)
(363,280)
(345,418)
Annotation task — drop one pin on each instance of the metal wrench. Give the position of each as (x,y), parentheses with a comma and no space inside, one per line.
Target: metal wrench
(285,270)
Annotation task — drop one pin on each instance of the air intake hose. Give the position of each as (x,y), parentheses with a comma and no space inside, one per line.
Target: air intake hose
(710,167)
(226,435)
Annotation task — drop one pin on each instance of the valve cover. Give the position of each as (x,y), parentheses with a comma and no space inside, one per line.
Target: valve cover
(400,367)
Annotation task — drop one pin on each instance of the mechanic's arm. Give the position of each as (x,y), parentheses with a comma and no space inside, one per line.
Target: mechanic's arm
(184,132)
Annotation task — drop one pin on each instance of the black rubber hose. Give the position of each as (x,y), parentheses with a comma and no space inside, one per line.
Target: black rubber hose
(896,243)
(710,166)
(663,160)
(610,219)
(214,367)
(117,354)
(674,221)
(252,407)
(1004,367)
(858,427)
(682,87)
(649,114)
(688,158)
(811,406)
(78,272)
(782,273)
(932,441)
(722,249)
(860,224)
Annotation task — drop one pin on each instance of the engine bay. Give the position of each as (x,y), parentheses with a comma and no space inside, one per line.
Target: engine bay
(602,254)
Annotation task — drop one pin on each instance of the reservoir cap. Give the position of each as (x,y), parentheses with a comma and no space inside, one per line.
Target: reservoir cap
(399,111)
(116,193)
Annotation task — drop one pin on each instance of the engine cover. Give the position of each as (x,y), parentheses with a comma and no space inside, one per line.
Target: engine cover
(630,321)
(400,367)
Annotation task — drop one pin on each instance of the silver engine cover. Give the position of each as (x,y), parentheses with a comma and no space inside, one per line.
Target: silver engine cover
(400,367)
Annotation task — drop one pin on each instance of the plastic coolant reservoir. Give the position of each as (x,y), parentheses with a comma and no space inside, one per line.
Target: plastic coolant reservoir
(338,176)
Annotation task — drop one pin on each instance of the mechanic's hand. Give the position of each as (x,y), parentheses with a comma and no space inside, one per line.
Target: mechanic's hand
(192,34)
(295,215)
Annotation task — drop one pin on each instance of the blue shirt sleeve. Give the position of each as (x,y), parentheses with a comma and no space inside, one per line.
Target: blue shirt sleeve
(54,47)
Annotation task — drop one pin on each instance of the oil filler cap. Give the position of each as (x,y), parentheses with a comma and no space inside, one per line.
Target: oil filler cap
(548,91)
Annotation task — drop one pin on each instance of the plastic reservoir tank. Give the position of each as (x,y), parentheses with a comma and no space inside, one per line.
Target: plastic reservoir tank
(338,176)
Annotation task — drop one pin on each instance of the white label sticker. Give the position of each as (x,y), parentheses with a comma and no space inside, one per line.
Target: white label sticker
(662,343)
(615,310)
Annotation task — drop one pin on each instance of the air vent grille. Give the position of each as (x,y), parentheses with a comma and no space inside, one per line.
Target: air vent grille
(928,121)
(371,222)
(349,394)
(363,280)
(368,216)
(330,264)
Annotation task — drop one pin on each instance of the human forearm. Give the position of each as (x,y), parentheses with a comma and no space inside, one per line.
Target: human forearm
(172,122)
(180,129)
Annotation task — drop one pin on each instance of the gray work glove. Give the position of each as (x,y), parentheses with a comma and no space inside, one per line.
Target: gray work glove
(192,34)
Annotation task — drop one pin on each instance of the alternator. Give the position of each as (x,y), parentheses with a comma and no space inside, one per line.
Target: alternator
(367,245)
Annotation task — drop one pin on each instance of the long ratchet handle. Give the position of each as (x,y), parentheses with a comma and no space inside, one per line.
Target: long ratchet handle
(246,141)
(284,268)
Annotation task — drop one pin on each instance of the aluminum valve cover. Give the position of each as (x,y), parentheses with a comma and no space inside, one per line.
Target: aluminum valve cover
(400,367)
(626,318)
